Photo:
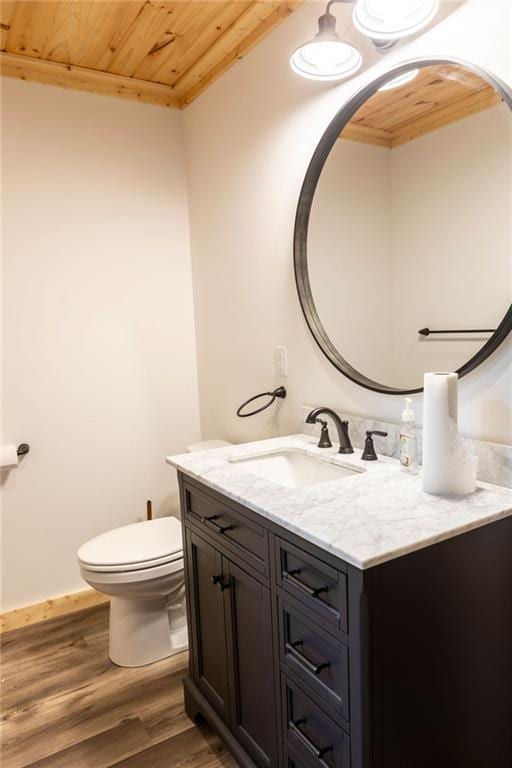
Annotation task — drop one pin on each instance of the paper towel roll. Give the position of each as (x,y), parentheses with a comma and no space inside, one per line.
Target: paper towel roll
(8,456)
(448,468)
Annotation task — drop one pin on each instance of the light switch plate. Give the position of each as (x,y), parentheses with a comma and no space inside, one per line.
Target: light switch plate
(281,361)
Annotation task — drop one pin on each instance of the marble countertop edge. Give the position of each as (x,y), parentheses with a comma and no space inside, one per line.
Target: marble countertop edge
(365,520)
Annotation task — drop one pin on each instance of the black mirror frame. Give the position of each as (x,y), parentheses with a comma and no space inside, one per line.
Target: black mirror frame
(306,196)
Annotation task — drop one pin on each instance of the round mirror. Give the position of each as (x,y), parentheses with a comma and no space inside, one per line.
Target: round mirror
(403,235)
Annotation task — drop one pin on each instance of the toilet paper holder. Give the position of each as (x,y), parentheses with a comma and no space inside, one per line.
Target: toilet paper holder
(23,449)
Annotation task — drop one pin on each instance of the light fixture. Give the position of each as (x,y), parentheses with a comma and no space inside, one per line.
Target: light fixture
(326,56)
(385,21)
(396,82)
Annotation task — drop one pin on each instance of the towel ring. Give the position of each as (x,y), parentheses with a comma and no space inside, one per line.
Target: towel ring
(279,392)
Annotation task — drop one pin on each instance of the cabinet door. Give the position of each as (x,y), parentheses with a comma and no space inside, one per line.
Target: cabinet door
(249,628)
(205,582)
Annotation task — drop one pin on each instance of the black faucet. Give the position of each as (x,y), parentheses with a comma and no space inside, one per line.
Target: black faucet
(369,448)
(341,427)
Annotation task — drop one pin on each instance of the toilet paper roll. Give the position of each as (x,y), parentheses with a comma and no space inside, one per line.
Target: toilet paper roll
(448,468)
(8,456)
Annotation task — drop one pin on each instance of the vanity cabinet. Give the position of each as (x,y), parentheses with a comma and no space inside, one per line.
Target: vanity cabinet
(230,623)
(301,660)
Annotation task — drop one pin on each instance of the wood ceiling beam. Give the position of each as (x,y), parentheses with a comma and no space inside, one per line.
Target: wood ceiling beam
(164,53)
(82,79)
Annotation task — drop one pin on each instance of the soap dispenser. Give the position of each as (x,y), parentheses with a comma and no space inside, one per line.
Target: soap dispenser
(408,458)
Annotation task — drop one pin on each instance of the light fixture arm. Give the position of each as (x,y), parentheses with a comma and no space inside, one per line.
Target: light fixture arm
(332,2)
(327,21)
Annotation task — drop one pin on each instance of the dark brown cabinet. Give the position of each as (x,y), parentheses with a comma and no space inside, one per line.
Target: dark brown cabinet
(250,660)
(231,663)
(206,600)
(300,660)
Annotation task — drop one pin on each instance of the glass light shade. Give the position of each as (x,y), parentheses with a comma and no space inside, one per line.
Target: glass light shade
(326,59)
(396,82)
(393,19)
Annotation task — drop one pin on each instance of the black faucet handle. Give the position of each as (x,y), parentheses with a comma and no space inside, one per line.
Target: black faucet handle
(325,440)
(369,448)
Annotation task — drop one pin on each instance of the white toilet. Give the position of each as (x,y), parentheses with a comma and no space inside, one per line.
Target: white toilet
(140,566)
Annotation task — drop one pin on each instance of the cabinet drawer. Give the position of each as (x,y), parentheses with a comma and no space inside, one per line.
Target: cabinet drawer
(228,526)
(316,657)
(321,588)
(311,734)
(293,762)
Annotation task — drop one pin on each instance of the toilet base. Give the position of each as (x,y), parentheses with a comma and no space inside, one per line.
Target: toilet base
(145,631)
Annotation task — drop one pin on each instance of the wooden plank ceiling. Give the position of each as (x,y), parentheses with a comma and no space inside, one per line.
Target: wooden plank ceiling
(439,95)
(165,53)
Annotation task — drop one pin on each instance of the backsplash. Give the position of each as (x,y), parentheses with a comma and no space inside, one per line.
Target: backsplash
(494,460)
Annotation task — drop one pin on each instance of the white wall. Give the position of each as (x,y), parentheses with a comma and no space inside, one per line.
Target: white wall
(99,349)
(250,138)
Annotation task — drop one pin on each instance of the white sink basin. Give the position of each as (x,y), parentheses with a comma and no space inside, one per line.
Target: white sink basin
(294,469)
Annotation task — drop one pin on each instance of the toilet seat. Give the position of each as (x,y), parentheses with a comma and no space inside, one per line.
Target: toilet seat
(104,577)
(135,547)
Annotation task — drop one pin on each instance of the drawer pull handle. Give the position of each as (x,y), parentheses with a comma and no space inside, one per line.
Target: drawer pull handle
(219,528)
(219,582)
(311,591)
(318,752)
(310,665)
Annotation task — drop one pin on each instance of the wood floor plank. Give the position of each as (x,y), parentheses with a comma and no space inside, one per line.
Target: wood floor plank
(65,702)
(42,638)
(71,665)
(101,750)
(61,721)
(197,747)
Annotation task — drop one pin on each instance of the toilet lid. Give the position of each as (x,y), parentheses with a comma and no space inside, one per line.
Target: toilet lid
(140,545)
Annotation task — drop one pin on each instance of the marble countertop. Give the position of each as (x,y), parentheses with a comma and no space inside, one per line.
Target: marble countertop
(365,519)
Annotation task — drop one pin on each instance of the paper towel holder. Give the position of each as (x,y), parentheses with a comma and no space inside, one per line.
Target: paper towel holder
(23,449)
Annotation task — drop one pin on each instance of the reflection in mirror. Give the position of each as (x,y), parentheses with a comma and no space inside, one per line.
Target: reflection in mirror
(411,227)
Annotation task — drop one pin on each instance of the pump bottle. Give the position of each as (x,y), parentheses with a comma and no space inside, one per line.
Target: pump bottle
(408,458)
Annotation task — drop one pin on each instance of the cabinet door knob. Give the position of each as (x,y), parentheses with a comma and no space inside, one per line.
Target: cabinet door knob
(220,582)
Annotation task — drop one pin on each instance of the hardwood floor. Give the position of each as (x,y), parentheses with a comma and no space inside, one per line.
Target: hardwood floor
(64,704)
